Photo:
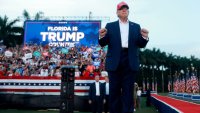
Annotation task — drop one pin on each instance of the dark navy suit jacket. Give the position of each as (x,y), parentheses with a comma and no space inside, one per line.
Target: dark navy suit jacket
(92,91)
(113,40)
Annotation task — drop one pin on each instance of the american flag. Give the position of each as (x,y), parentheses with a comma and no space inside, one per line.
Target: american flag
(179,85)
(42,85)
(195,84)
(188,85)
(176,84)
(182,85)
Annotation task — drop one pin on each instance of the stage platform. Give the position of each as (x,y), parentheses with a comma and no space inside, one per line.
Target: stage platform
(166,104)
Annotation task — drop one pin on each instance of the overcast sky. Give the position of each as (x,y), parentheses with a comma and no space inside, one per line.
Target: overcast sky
(173,24)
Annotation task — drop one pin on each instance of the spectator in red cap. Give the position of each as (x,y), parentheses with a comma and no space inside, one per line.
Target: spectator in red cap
(124,38)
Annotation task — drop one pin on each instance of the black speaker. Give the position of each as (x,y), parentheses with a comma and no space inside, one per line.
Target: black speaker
(64,74)
(68,74)
(67,89)
(67,106)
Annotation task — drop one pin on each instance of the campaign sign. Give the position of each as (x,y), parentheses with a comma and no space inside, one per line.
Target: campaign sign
(62,33)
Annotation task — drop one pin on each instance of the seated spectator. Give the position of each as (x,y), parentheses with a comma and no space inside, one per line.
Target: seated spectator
(44,71)
(82,67)
(25,72)
(1,70)
(10,73)
(16,73)
(57,72)
(77,72)
(90,68)
(97,71)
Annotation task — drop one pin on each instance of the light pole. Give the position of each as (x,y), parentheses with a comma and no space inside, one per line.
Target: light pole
(90,15)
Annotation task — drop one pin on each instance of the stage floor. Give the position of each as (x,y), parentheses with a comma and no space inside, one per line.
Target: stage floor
(181,105)
(143,109)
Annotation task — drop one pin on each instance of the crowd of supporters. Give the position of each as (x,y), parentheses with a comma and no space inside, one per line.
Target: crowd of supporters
(34,60)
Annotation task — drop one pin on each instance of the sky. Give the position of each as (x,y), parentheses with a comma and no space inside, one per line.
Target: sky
(173,24)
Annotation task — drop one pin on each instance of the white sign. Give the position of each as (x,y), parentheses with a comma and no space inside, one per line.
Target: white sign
(28,55)
(8,54)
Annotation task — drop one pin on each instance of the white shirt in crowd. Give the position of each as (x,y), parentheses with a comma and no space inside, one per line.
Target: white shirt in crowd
(77,73)
(97,89)
(139,92)
(44,72)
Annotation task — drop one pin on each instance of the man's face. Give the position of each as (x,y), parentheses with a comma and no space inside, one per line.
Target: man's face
(97,78)
(123,13)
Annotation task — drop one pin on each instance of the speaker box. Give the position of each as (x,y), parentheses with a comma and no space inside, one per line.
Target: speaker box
(68,75)
(67,106)
(67,89)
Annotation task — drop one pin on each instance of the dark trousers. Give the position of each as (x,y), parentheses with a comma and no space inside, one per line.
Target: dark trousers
(121,86)
(97,104)
(106,105)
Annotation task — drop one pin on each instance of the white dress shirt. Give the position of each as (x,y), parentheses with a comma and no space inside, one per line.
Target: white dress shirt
(124,31)
(107,88)
(97,88)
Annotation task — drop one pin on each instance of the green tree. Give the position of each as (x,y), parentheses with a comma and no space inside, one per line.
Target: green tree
(10,34)
(38,16)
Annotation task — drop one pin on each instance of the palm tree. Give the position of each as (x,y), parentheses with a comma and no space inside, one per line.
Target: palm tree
(26,15)
(9,32)
(38,16)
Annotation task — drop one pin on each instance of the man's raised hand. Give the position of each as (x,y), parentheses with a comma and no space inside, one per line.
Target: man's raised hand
(102,32)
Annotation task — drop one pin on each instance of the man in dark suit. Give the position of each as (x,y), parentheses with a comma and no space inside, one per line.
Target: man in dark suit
(96,95)
(124,38)
(106,89)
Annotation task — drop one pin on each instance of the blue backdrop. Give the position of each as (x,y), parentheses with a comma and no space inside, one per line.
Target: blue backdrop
(33,30)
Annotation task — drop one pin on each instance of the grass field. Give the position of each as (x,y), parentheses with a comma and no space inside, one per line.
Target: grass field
(143,109)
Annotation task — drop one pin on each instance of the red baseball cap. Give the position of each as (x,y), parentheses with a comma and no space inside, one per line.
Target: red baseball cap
(122,4)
